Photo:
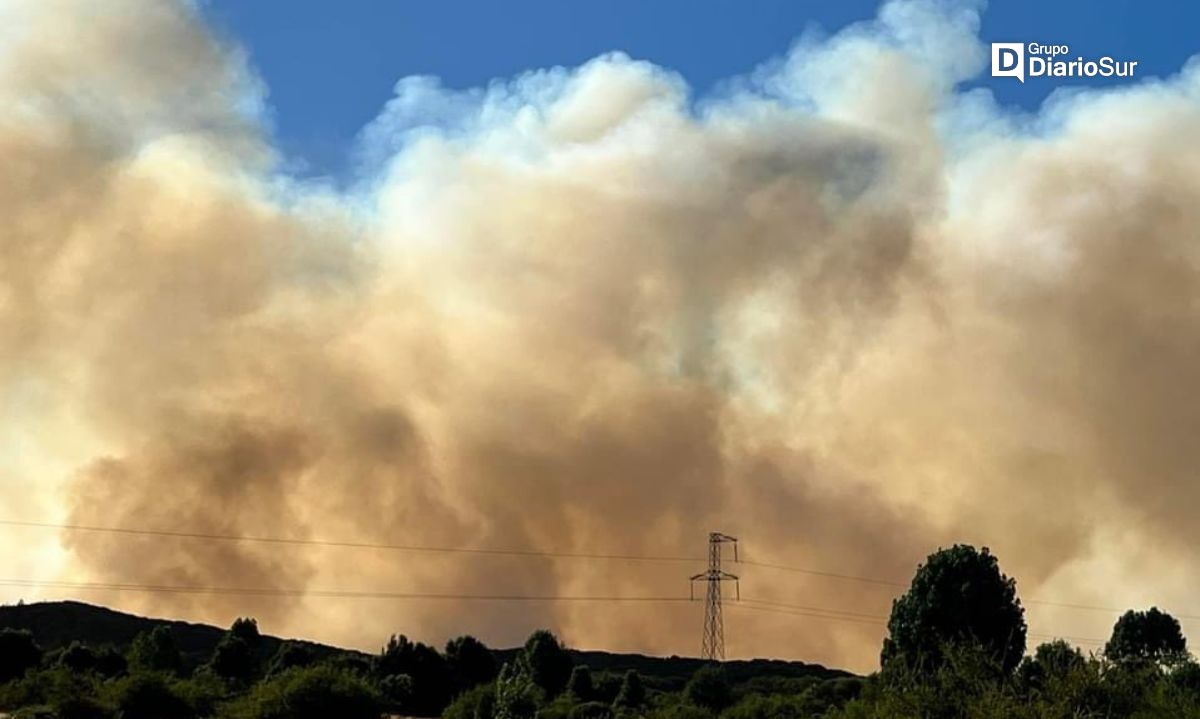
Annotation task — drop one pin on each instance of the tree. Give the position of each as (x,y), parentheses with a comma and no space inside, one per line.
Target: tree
(632,694)
(516,693)
(548,662)
(709,688)
(290,655)
(1051,661)
(246,629)
(110,662)
(1146,638)
(476,703)
(234,660)
(958,597)
(470,661)
(431,683)
(317,692)
(18,654)
(78,657)
(155,651)
(580,685)
(148,696)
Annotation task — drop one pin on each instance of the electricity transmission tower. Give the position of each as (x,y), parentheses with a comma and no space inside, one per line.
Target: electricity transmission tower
(713,645)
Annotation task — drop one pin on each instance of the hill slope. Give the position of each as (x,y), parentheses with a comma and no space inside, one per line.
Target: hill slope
(57,624)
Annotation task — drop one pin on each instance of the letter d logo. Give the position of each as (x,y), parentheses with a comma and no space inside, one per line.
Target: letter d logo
(1008,60)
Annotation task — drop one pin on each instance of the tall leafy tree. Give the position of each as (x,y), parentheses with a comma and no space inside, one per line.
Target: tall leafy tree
(1146,638)
(246,629)
(470,661)
(548,662)
(958,596)
(234,659)
(516,692)
(431,682)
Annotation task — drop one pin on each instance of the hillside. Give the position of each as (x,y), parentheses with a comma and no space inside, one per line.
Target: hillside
(57,624)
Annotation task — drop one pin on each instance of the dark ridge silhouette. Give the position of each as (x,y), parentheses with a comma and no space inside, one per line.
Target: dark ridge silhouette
(56,624)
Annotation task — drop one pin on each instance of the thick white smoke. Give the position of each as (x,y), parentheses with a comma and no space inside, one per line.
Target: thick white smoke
(839,309)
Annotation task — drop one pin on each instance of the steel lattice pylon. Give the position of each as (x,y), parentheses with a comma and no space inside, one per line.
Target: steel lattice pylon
(712,646)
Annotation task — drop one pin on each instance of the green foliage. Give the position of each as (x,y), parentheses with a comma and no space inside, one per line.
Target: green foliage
(246,629)
(234,660)
(590,710)
(110,662)
(18,654)
(958,597)
(709,688)
(316,692)
(516,694)
(398,692)
(680,710)
(430,676)
(1185,679)
(53,687)
(290,655)
(78,657)
(476,703)
(632,694)
(155,651)
(1146,638)
(148,696)
(1049,665)
(548,662)
(775,706)
(580,687)
(470,661)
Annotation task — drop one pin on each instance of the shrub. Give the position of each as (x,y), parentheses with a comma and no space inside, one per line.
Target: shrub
(316,692)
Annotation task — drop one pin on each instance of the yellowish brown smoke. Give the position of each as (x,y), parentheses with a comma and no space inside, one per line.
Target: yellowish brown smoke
(840,311)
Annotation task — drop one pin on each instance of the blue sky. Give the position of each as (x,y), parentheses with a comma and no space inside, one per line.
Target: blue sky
(330,67)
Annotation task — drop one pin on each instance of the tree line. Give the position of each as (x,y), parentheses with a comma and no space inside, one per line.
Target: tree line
(956,647)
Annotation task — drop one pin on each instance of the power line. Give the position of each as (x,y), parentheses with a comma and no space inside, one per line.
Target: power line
(819,573)
(751,604)
(873,620)
(904,585)
(349,545)
(800,607)
(322,593)
(545,554)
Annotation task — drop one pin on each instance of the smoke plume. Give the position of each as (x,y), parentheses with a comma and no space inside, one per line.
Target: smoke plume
(841,309)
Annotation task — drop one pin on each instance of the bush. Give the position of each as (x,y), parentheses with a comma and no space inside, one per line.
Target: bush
(548,662)
(148,696)
(709,689)
(632,694)
(476,703)
(590,710)
(155,651)
(579,686)
(317,692)
(290,655)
